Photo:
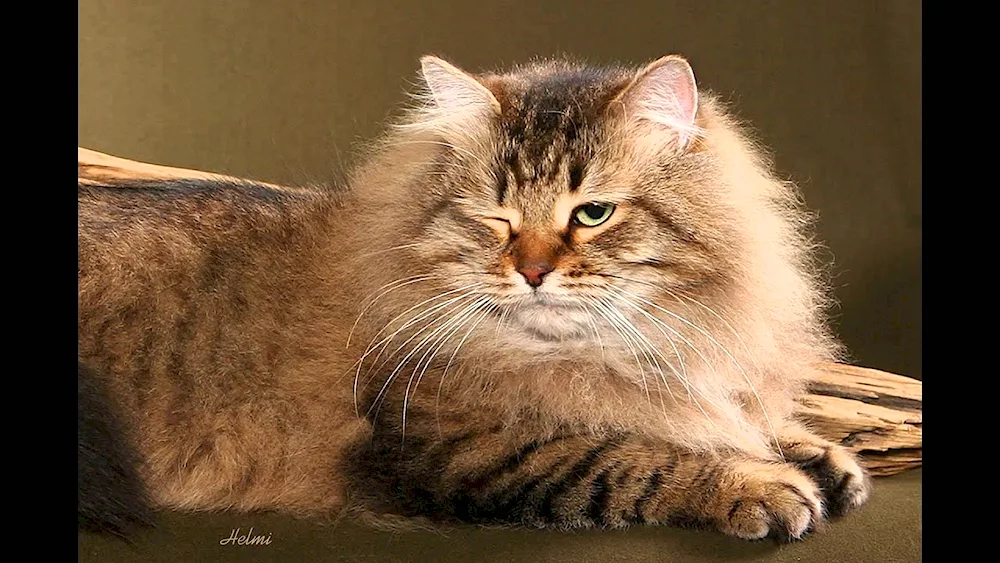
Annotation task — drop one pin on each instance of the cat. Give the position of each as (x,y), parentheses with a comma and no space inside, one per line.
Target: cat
(558,296)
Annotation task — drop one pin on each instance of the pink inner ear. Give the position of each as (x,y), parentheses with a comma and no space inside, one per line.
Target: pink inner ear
(452,88)
(667,94)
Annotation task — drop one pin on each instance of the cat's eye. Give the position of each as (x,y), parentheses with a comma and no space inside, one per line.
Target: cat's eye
(593,214)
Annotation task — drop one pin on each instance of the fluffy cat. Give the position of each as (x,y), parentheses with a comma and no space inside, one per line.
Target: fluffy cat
(559,296)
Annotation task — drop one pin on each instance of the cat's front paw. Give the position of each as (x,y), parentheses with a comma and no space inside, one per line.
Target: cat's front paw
(769,499)
(845,484)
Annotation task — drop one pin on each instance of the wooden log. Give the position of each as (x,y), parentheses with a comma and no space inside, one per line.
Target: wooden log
(876,414)
(96,167)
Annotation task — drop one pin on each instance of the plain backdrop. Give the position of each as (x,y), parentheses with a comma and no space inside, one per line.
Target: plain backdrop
(285,90)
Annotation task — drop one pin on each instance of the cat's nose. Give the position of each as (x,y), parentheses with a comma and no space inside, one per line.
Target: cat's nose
(534,273)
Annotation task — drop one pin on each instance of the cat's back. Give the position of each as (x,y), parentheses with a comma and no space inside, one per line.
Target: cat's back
(192,265)
(175,225)
(198,210)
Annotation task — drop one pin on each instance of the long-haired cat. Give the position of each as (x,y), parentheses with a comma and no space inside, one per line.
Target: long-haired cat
(559,296)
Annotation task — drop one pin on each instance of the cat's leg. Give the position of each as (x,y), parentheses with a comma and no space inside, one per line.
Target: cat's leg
(845,484)
(573,480)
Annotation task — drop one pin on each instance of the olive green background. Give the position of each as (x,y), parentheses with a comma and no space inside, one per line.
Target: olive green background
(284,90)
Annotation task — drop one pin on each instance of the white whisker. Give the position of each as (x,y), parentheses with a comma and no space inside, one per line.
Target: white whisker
(649,350)
(688,386)
(443,334)
(407,280)
(703,332)
(593,324)
(458,347)
(642,373)
(372,346)
(409,354)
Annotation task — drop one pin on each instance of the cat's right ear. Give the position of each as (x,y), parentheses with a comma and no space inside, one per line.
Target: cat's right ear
(455,90)
(456,102)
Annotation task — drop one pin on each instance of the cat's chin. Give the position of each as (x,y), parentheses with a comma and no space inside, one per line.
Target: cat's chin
(555,322)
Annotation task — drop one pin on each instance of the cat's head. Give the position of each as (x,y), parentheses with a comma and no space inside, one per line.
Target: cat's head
(568,203)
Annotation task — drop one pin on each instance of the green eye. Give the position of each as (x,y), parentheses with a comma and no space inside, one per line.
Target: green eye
(593,214)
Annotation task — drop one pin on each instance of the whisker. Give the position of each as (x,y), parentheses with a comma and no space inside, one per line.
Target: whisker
(425,327)
(503,315)
(682,376)
(597,307)
(372,346)
(688,386)
(401,363)
(593,324)
(491,307)
(445,333)
(682,294)
(408,280)
(648,349)
(703,332)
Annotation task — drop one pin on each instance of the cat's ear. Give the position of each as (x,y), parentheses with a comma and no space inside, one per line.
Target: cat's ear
(664,92)
(455,95)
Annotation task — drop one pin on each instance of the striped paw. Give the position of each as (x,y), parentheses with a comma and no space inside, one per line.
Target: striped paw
(761,499)
(844,483)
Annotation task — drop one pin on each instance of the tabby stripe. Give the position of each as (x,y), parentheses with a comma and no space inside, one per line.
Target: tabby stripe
(600,494)
(182,387)
(437,456)
(666,222)
(555,166)
(573,477)
(732,511)
(512,462)
(576,171)
(102,331)
(652,486)
(513,162)
(184,333)
(214,360)
(620,482)
(702,484)
(502,182)
(517,500)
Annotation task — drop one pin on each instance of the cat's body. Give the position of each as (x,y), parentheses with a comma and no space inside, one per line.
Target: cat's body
(561,296)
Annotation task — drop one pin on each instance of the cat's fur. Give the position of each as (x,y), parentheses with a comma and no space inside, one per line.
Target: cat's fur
(301,349)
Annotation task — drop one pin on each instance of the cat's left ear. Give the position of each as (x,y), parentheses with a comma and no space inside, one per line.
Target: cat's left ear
(665,92)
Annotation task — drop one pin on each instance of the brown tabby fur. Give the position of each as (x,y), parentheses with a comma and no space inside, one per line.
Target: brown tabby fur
(300,349)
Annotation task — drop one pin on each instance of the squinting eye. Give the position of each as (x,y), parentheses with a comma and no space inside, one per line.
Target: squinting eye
(593,214)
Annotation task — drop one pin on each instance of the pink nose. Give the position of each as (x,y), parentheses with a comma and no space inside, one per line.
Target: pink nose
(534,273)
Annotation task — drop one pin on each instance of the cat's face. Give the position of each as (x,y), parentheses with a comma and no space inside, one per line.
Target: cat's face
(569,200)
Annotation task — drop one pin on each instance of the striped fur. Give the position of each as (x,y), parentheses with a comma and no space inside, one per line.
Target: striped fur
(311,349)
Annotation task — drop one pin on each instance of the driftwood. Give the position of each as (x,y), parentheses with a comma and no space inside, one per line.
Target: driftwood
(876,414)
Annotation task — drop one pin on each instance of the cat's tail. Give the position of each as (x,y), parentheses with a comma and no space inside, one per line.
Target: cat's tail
(110,497)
